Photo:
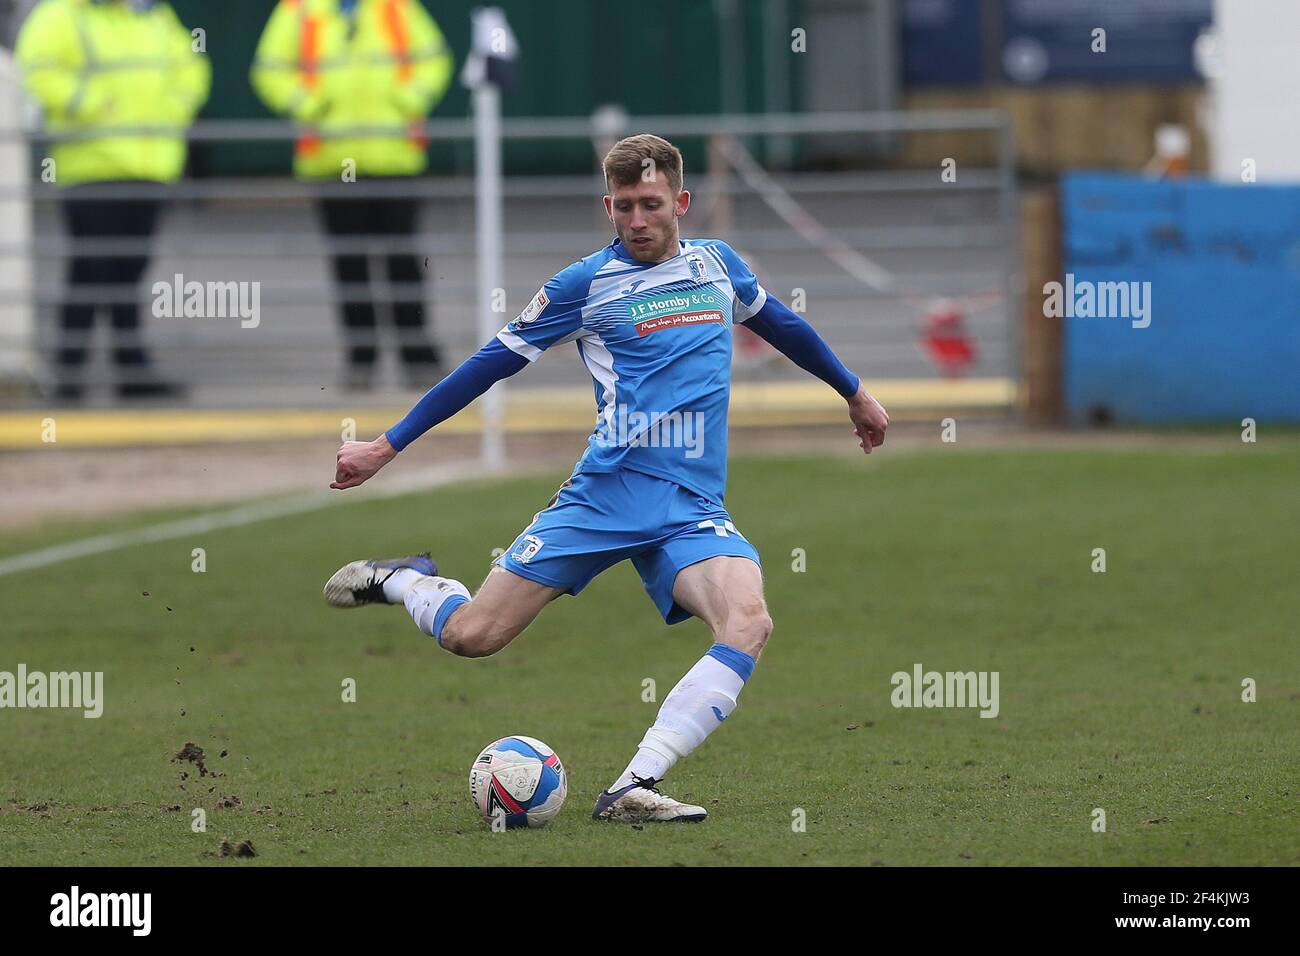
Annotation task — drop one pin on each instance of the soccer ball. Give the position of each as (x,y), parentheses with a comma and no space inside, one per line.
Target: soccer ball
(520,779)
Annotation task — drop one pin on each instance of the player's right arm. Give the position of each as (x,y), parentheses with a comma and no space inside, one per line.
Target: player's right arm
(359,460)
(552,316)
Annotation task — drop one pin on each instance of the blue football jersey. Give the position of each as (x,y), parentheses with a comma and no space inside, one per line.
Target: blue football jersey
(656,338)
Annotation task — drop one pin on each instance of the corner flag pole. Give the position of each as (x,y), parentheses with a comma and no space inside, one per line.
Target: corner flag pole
(489,66)
(17,321)
(488,219)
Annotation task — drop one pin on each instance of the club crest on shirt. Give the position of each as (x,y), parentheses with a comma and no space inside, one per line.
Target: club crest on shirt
(532,310)
(699,270)
(527,549)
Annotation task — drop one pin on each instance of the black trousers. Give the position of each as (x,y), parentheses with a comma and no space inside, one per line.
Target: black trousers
(391,220)
(133,220)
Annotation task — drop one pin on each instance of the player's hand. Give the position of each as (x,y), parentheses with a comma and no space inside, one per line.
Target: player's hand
(358,460)
(869,420)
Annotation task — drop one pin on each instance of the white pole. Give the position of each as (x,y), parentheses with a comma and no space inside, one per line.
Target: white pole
(16,315)
(487,176)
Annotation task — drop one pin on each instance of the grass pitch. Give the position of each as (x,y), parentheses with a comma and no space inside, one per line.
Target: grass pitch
(1118,690)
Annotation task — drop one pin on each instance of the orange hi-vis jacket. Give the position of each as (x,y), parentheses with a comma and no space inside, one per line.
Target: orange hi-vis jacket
(379,71)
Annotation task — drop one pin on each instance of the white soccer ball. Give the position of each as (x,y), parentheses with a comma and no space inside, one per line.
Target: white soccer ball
(519,779)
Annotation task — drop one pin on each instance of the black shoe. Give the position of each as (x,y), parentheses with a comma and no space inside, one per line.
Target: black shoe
(362,582)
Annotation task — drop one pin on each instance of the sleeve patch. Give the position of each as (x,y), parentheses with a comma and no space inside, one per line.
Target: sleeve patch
(532,310)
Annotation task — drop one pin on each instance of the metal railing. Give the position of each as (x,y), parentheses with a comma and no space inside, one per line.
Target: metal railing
(955,240)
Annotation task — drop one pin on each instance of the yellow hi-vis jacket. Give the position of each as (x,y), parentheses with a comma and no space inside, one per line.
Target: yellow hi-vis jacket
(385,68)
(94,66)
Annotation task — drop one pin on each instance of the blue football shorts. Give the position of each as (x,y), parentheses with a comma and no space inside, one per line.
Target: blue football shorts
(598,519)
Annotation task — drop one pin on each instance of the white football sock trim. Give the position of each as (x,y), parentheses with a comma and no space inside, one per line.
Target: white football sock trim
(426,595)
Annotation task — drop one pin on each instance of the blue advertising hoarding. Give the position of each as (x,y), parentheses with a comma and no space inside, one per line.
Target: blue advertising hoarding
(1211,272)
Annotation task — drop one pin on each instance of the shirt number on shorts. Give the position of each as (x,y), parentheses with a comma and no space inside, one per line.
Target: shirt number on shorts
(721,530)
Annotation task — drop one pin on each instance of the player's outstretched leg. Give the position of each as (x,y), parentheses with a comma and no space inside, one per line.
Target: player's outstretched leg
(441,607)
(503,607)
(727,594)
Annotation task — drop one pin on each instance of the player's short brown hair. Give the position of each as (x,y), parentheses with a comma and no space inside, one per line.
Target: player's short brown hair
(627,162)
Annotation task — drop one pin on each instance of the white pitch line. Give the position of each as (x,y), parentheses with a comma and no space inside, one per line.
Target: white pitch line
(232,518)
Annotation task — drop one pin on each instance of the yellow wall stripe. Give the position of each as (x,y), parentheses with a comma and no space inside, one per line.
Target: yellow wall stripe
(527,410)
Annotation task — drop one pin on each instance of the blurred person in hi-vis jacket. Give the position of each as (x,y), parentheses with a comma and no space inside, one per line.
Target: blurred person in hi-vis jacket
(377,67)
(123,77)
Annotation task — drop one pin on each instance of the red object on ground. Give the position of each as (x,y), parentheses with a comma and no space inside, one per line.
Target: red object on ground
(945,341)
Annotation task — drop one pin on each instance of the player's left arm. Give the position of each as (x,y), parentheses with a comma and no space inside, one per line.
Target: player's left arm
(798,341)
(788,333)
